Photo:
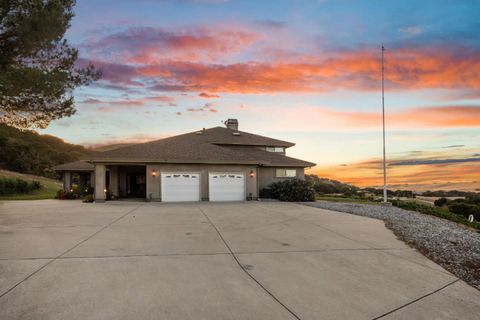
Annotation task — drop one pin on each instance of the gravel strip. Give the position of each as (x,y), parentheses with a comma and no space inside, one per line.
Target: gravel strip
(453,246)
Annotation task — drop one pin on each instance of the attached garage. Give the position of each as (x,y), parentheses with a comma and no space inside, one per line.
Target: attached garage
(216,164)
(224,186)
(180,187)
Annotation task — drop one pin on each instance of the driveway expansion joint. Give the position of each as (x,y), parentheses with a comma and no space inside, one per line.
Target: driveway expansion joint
(65,252)
(244,269)
(416,300)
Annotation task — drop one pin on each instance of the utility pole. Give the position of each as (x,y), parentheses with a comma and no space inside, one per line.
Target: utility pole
(385,199)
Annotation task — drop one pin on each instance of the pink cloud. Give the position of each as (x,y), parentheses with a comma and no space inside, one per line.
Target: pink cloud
(208,95)
(207,107)
(147,45)
(412,69)
(133,102)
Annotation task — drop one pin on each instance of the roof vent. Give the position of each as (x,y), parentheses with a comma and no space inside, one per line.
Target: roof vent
(232,124)
(236,133)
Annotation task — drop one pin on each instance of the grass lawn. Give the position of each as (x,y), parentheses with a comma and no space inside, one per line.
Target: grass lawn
(47,191)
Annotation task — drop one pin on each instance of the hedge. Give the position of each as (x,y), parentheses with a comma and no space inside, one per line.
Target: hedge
(292,190)
(10,186)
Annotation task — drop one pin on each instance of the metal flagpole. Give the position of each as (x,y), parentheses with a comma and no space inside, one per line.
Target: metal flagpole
(385,200)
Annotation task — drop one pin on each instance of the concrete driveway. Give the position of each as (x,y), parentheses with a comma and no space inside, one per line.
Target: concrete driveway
(254,260)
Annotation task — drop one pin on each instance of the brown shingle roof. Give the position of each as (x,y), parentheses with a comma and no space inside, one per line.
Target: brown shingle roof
(75,166)
(215,145)
(221,135)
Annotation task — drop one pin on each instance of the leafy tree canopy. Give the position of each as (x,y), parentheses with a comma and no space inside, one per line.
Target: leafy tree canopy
(37,65)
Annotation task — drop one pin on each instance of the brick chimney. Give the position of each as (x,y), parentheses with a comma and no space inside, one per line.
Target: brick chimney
(232,124)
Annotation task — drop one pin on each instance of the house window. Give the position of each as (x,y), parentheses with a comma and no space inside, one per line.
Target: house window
(275,149)
(286,173)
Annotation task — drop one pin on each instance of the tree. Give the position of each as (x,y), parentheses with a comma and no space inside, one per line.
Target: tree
(440,202)
(37,65)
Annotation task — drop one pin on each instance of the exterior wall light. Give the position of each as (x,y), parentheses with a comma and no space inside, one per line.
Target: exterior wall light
(252,174)
(154,173)
(105,190)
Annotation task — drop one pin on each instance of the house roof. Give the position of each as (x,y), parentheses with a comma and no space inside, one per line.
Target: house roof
(222,135)
(216,145)
(75,166)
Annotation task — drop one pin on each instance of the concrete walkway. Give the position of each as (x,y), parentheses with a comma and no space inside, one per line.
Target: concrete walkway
(254,260)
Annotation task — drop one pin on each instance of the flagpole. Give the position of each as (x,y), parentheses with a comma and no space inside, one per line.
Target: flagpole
(385,199)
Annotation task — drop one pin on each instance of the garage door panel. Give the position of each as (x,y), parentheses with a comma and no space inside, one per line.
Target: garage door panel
(226,186)
(180,187)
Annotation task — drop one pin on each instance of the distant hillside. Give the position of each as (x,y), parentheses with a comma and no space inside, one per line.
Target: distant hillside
(328,186)
(448,186)
(32,153)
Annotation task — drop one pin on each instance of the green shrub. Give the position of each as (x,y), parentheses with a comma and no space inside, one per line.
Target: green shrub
(35,184)
(440,202)
(465,209)
(292,190)
(88,198)
(442,212)
(10,186)
(66,195)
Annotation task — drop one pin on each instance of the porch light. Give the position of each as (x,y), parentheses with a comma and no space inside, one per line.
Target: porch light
(154,173)
(105,190)
(252,174)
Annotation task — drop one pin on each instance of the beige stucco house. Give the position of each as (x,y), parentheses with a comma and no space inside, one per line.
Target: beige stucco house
(216,164)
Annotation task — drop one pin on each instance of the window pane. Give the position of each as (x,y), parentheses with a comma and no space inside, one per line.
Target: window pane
(275,149)
(291,173)
(286,173)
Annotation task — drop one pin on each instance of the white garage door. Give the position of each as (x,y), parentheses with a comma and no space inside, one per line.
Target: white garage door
(225,186)
(180,187)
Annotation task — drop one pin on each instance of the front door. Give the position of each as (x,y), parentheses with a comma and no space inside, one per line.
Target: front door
(136,185)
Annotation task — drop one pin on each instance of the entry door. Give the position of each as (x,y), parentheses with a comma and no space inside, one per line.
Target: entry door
(224,186)
(180,187)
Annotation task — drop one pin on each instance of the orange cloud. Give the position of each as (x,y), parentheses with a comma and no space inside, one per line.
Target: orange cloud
(447,116)
(369,173)
(360,70)
(322,118)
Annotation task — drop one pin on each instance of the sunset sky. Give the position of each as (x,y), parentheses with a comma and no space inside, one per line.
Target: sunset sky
(302,71)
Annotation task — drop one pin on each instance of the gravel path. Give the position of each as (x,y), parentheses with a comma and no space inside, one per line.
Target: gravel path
(451,245)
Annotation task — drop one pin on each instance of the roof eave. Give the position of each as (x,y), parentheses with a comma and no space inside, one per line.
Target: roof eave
(282,144)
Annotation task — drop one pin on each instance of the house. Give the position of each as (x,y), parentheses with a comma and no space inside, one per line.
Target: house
(216,164)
